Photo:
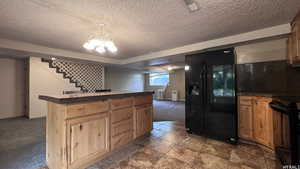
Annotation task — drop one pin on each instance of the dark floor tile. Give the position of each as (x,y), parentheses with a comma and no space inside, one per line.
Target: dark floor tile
(144,158)
(247,159)
(209,161)
(183,153)
(168,162)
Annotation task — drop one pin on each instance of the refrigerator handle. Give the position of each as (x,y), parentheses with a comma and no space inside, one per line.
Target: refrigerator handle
(204,84)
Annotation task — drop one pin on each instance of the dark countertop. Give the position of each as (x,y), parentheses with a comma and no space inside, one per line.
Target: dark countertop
(83,97)
(290,97)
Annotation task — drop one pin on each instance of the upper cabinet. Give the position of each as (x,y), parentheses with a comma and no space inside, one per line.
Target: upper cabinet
(294,42)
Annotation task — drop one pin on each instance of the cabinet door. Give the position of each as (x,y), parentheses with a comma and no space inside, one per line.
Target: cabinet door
(245,122)
(262,122)
(143,120)
(88,139)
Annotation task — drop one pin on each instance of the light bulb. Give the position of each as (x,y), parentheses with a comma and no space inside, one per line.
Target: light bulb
(113,49)
(96,42)
(100,49)
(88,46)
(111,46)
(186,67)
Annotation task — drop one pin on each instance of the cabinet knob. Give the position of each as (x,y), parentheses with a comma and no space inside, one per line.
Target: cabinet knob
(80,127)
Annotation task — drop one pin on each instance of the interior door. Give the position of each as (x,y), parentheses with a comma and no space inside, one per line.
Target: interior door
(220,109)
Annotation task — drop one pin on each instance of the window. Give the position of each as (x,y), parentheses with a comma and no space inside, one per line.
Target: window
(158,79)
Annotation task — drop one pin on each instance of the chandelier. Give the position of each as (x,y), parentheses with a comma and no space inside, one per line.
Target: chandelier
(100,42)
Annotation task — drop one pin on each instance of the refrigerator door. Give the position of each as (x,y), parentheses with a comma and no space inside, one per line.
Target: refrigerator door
(194,98)
(220,111)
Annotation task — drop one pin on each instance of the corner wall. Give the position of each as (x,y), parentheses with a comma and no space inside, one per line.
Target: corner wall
(44,81)
(13,88)
(123,79)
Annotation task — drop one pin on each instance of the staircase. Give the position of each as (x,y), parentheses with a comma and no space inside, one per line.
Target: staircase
(72,79)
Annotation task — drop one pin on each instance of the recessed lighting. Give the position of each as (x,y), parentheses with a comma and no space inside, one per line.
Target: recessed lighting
(186,67)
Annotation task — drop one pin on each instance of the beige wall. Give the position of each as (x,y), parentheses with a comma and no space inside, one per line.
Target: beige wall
(176,82)
(12,98)
(44,81)
(123,79)
(263,51)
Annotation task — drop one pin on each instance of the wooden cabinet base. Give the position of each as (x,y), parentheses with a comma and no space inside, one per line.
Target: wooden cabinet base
(79,135)
(259,124)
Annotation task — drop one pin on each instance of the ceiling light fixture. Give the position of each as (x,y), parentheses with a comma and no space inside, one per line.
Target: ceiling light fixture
(170,68)
(192,5)
(100,42)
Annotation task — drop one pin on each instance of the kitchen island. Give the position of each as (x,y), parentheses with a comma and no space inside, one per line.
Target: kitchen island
(85,128)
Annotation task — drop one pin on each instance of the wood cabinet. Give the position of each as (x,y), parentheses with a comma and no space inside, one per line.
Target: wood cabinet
(294,42)
(79,134)
(143,120)
(245,122)
(263,122)
(88,138)
(258,123)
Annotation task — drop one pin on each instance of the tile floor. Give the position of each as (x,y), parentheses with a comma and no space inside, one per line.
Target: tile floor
(170,147)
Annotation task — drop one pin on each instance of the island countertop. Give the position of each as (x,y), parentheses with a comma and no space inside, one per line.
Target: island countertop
(83,97)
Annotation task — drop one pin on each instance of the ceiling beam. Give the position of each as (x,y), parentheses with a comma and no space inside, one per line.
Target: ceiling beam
(229,40)
(54,52)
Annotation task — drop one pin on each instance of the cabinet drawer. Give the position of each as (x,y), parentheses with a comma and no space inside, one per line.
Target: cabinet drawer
(121,103)
(120,115)
(139,100)
(122,139)
(77,110)
(122,127)
(245,100)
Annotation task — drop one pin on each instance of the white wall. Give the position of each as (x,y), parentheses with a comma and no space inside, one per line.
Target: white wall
(12,97)
(44,81)
(122,79)
(263,51)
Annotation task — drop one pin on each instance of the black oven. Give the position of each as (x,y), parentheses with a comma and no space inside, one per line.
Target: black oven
(292,155)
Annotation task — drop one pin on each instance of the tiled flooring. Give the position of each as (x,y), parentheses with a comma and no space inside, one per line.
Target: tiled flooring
(170,147)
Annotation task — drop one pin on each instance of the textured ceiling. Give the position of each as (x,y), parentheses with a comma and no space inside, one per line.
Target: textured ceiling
(137,26)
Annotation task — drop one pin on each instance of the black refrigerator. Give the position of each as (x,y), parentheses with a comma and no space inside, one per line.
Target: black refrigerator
(211,95)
